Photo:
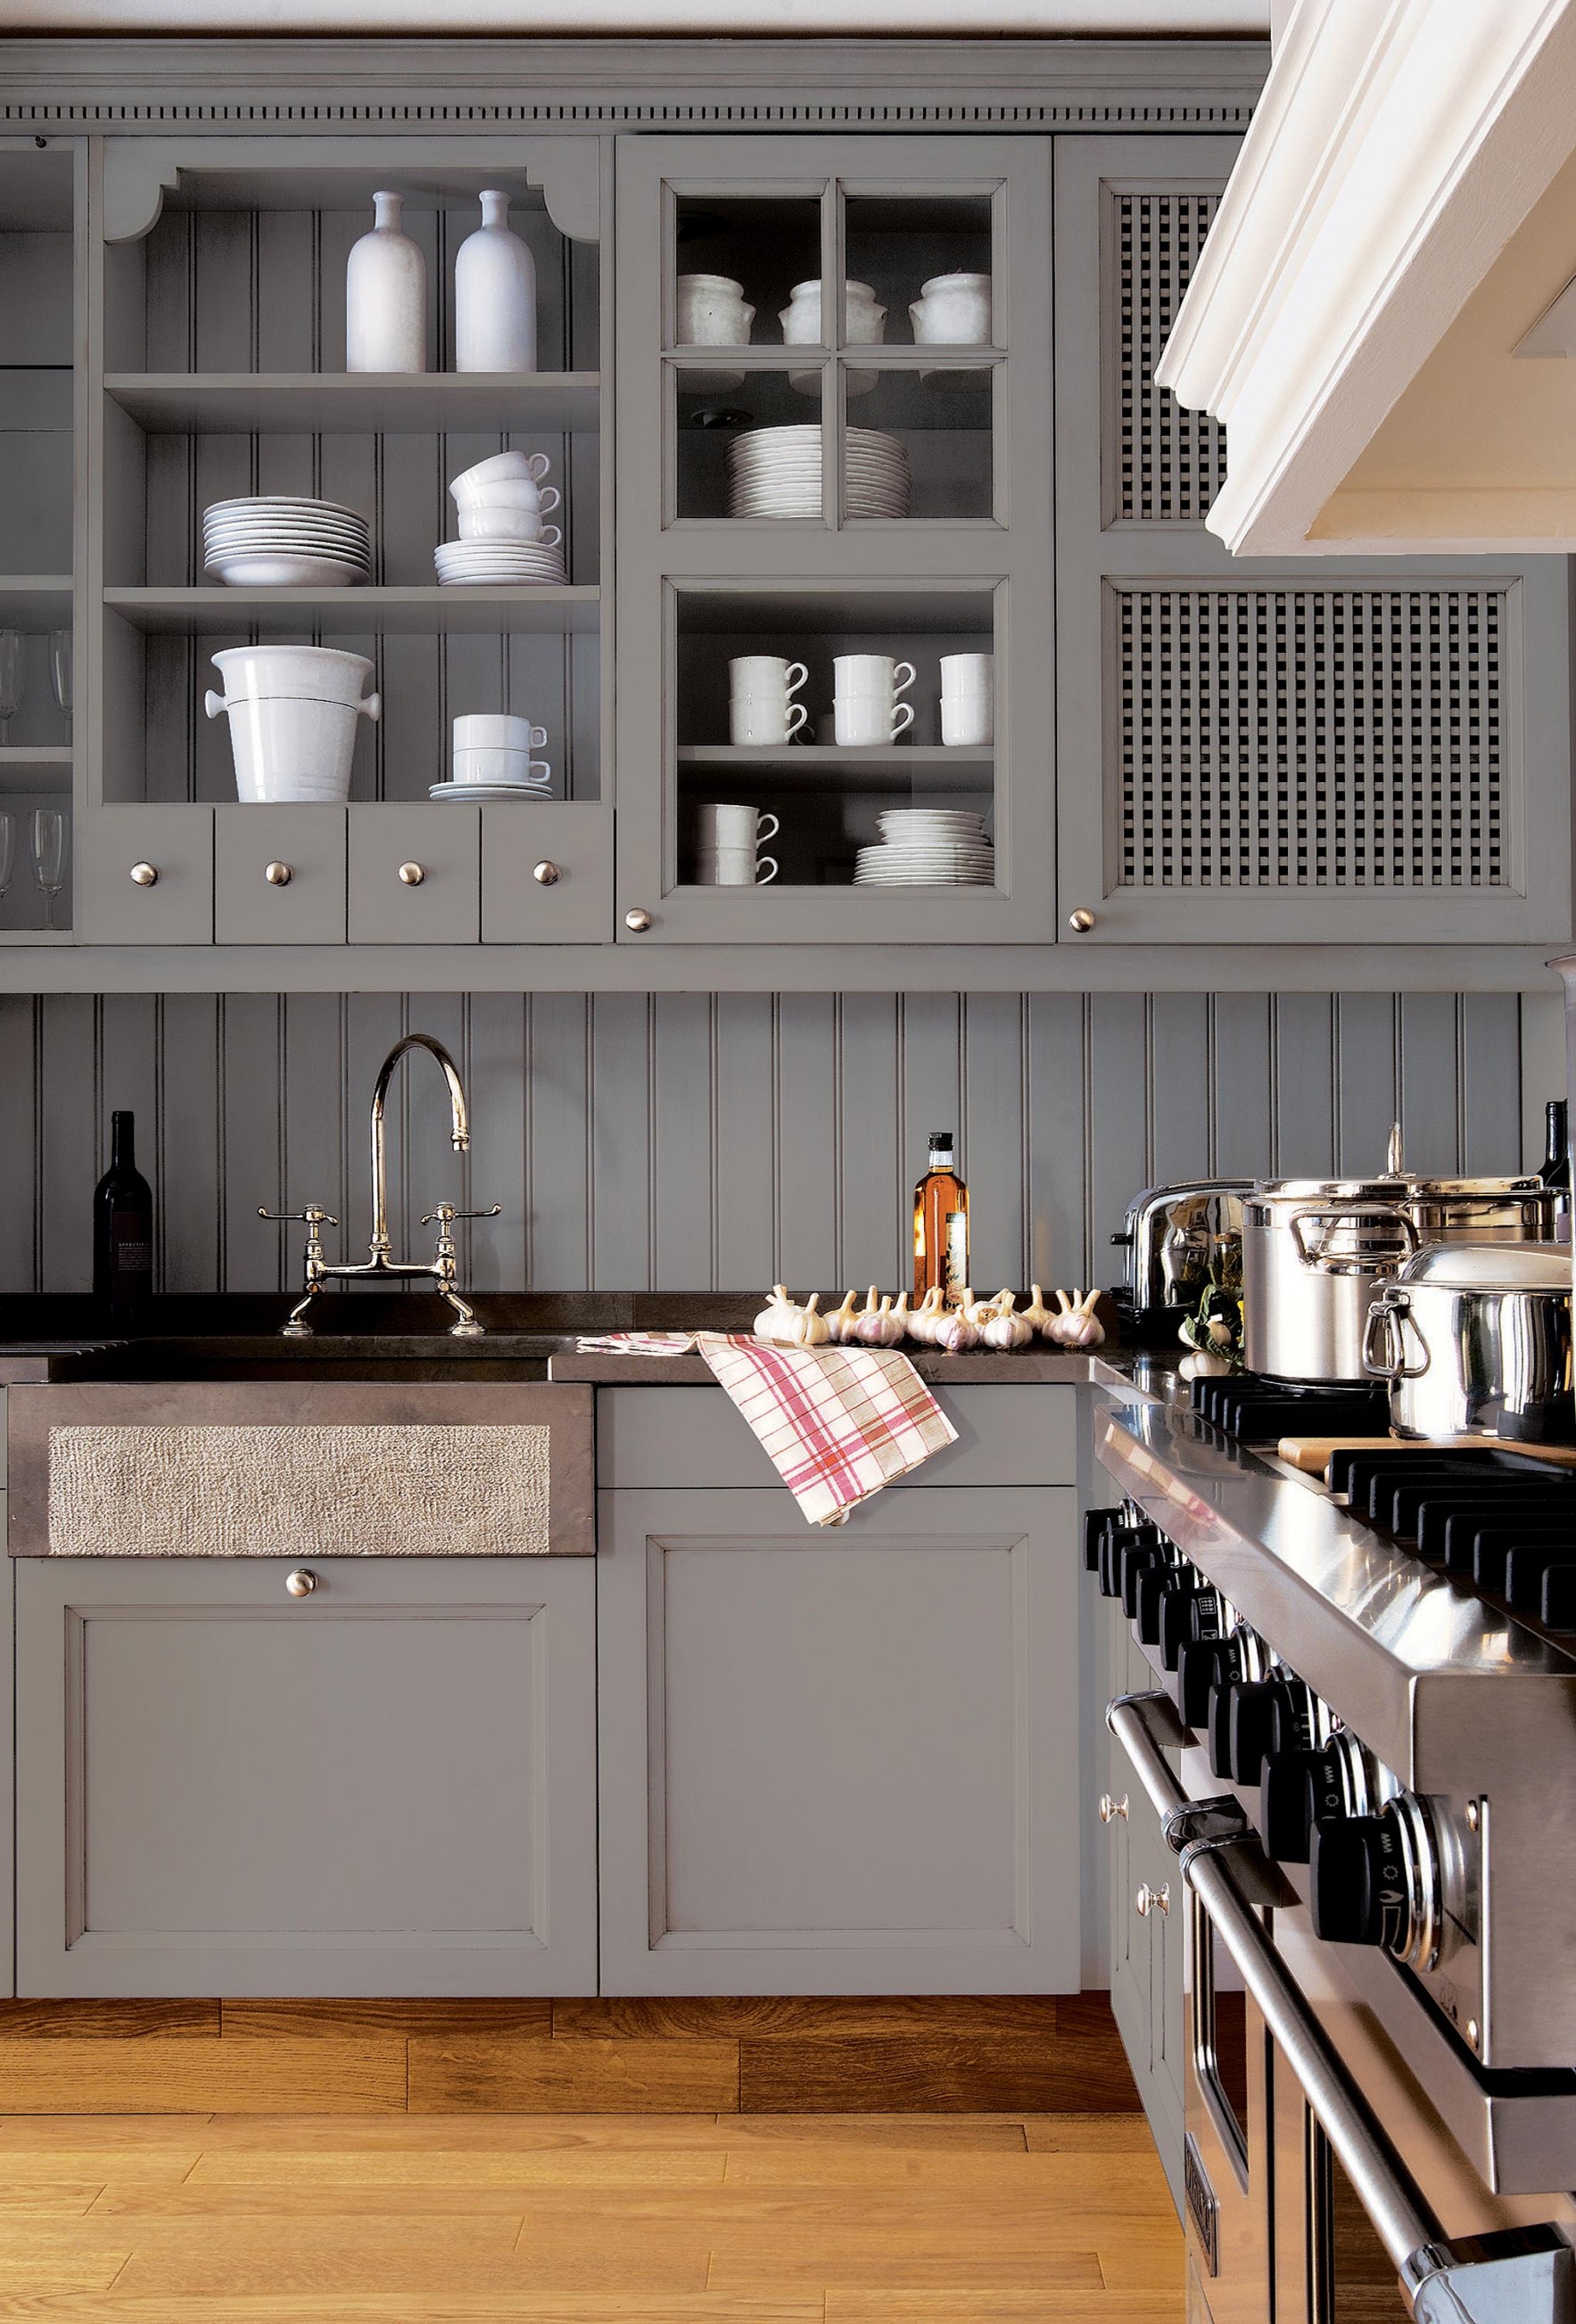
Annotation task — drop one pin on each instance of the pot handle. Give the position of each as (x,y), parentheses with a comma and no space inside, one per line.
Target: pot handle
(1388,1316)
(1313,1259)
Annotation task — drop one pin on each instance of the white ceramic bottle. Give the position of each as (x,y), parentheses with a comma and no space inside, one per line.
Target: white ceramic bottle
(386,296)
(494,295)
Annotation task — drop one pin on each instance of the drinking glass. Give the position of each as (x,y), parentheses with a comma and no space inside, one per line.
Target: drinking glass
(13,678)
(8,851)
(60,670)
(49,855)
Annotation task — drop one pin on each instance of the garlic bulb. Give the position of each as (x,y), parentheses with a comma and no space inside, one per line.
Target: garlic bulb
(1037,1314)
(954,1335)
(1005,1330)
(811,1329)
(1199,1365)
(925,1318)
(776,1319)
(879,1328)
(978,1310)
(1076,1325)
(840,1323)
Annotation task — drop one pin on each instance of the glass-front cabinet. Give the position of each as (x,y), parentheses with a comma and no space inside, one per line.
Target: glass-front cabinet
(833,614)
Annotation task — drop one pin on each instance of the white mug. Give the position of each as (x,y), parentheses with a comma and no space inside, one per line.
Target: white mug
(491,730)
(871,674)
(488,522)
(734,867)
(767,675)
(968,698)
(870,718)
(727,825)
(758,719)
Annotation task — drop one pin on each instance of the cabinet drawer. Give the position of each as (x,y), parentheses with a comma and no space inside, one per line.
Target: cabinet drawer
(175,844)
(570,837)
(307,843)
(439,843)
(1013,1434)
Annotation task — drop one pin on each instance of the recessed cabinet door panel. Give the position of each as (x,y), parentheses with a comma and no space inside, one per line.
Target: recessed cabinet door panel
(547,872)
(385,1787)
(415,874)
(118,903)
(279,874)
(838,1763)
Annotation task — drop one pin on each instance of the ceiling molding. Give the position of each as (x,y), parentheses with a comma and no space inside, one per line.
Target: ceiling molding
(654,19)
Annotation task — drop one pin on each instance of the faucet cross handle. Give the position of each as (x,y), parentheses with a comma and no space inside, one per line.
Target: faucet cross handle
(313,1216)
(444,1214)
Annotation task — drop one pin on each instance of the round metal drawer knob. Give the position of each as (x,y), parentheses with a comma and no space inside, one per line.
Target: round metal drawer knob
(278,875)
(301,1583)
(1152,1900)
(546,874)
(637,921)
(1113,1811)
(412,874)
(1080,921)
(146,875)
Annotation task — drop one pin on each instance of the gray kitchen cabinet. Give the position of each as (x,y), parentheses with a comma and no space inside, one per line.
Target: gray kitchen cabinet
(836,1761)
(387,1787)
(547,872)
(415,874)
(707,573)
(146,875)
(1376,751)
(279,874)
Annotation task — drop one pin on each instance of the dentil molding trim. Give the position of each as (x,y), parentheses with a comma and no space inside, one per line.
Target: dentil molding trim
(1395,148)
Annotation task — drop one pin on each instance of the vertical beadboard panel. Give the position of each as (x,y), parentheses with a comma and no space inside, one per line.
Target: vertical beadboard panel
(1492,1074)
(743,1099)
(930,1035)
(1368,1099)
(620,1141)
(875,1173)
(252,1257)
(1057,1143)
(494,1067)
(1431,1082)
(1240,1085)
(1303,1084)
(1542,1050)
(66,1145)
(993,1135)
(317,1105)
(684,1199)
(1179,1086)
(18,1142)
(808,1110)
(186,1175)
(558,1152)
(1118,1160)
(373,1022)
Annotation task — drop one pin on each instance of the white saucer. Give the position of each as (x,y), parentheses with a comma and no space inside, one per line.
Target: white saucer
(488,794)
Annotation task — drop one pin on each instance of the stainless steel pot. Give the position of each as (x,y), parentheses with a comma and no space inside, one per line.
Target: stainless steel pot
(1317,1251)
(1476,1340)
(1170,1236)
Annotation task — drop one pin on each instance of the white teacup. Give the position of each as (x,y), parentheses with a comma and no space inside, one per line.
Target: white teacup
(764,719)
(498,729)
(503,468)
(499,767)
(860,718)
(727,825)
(765,674)
(486,522)
(968,698)
(734,867)
(871,674)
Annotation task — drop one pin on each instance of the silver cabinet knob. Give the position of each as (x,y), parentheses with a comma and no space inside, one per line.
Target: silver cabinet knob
(412,874)
(1112,1810)
(278,875)
(146,875)
(1152,1900)
(1080,921)
(638,921)
(546,874)
(301,1583)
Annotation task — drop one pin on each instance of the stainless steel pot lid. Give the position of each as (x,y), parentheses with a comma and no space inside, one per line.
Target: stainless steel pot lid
(1490,1266)
(1314,1191)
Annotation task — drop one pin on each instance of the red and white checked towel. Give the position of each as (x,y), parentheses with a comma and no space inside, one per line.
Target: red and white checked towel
(837,1424)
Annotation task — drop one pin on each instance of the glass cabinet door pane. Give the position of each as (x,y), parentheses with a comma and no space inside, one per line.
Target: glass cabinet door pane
(918,269)
(750,449)
(918,443)
(735,260)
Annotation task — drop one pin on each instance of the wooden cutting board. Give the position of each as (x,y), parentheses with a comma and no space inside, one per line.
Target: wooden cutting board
(1314,1453)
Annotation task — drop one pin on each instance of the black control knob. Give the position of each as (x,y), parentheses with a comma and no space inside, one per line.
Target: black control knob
(1257,1718)
(1191,1611)
(1096,1523)
(1357,1882)
(1202,1665)
(1138,1558)
(1218,1728)
(1155,1584)
(1291,1787)
(1115,1543)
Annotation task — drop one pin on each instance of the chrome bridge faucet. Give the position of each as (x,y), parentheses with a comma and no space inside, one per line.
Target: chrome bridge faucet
(441,1267)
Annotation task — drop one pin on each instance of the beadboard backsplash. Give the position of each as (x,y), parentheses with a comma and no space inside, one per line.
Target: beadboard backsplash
(679,1141)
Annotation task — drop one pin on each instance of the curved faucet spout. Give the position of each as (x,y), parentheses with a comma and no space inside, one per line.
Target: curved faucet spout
(459,1133)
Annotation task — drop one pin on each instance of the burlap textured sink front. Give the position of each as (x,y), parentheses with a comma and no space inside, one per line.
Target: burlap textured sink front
(257,1469)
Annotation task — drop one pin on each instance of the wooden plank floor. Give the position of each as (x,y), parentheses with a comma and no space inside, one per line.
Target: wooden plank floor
(605,2218)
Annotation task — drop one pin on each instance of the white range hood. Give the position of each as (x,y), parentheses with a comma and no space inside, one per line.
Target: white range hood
(1384,315)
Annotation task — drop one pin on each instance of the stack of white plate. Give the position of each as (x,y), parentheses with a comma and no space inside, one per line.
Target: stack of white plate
(499,564)
(777,472)
(927,847)
(275,540)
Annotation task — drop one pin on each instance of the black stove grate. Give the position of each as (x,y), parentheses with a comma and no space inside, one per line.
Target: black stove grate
(1260,1410)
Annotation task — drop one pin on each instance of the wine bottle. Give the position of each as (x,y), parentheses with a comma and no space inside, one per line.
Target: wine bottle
(940,1224)
(1555,1170)
(122,1227)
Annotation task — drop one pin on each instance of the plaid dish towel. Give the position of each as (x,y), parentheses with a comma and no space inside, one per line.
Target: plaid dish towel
(837,1424)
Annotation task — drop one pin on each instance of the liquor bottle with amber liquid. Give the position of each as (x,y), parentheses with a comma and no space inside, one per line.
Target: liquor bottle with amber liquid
(123,1229)
(940,1224)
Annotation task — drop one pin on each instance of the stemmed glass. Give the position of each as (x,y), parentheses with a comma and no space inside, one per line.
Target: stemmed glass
(13,677)
(49,855)
(7,853)
(60,671)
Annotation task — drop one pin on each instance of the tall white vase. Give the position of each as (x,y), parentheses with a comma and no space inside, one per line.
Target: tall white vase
(386,296)
(494,295)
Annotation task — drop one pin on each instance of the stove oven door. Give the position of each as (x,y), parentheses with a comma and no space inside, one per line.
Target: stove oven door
(1227,2100)
(1330,2266)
